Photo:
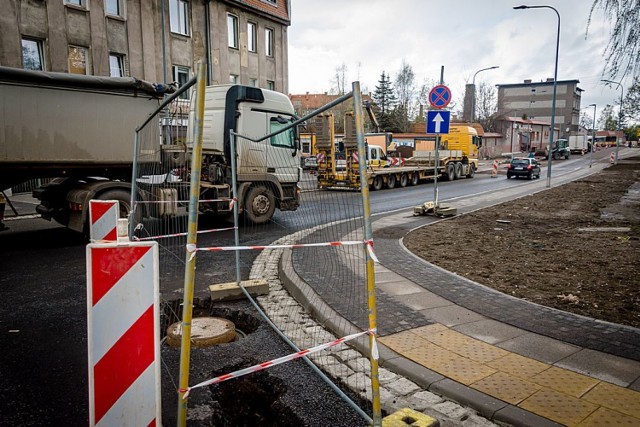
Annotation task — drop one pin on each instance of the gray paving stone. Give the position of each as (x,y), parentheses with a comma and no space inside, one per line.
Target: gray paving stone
(490,331)
(399,286)
(385,375)
(535,346)
(423,400)
(453,315)
(452,410)
(423,300)
(480,402)
(603,366)
(402,387)
(635,385)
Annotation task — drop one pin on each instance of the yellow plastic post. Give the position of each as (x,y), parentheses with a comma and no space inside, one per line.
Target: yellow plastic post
(190,267)
(368,236)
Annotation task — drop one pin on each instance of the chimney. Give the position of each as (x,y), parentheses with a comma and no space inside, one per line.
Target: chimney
(528,81)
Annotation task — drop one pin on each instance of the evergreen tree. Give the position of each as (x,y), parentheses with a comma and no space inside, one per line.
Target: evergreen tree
(385,102)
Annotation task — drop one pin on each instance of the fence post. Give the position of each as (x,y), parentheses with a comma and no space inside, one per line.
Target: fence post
(368,237)
(190,264)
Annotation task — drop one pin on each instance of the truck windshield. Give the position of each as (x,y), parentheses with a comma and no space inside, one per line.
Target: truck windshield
(284,139)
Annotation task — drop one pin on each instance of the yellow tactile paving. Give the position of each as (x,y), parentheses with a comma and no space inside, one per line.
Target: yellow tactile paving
(425,331)
(403,341)
(519,366)
(607,417)
(558,394)
(463,370)
(430,355)
(465,346)
(565,381)
(506,387)
(615,397)
(558,407)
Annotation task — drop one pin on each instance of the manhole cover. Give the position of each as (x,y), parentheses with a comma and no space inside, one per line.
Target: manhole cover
(205,332)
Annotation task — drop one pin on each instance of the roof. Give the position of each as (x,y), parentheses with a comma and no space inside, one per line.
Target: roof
(312,101)
(275,9)
(544,83)
(526,121)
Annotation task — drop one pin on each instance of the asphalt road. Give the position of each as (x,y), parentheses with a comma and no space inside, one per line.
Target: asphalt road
(43,368)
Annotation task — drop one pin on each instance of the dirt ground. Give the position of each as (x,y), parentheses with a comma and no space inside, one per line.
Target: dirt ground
(575,247)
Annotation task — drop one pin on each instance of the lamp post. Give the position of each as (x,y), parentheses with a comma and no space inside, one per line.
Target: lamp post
(555,81)
(473,98)
(619,114)
(593,134)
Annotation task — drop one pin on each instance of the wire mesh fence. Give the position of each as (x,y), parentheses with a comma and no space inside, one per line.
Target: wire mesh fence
(262,218)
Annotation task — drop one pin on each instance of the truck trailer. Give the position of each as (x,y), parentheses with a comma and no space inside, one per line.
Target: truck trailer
(79,131)
(458,158)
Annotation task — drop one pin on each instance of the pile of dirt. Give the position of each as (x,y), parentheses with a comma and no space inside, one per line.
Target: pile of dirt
(575,247)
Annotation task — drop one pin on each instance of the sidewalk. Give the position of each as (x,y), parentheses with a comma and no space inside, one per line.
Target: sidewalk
(510,360)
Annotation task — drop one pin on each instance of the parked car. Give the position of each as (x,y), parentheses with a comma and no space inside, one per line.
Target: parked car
(523,167)
(560,149)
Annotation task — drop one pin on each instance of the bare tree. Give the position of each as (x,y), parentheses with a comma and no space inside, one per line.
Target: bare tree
(486,106)
(623,50)
(586,120)
(340,79)
(405,91)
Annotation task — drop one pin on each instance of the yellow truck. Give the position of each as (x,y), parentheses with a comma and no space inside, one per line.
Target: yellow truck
(457,158)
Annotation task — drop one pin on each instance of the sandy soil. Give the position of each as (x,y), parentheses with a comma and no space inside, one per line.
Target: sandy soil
(574,247)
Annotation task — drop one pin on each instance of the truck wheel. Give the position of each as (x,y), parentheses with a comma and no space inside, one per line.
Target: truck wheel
(472,170)
(391,181)
(451,172)
(404,180)
(122,196)
(377,183)
(566,156)
(415,178)
(556,156)
(459,170)
(259,204)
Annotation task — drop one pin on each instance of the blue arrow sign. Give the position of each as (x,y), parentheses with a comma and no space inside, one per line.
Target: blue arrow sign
(438,121)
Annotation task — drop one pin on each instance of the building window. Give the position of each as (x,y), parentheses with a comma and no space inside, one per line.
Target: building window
(113,7)
(233,78)
(271,85)
(253,82)
(268,40)
(81,3)
(79,60)
(251,37)
(271,1)
(32,54)
(232,30)
(116,65)
(179,16)
(181,75)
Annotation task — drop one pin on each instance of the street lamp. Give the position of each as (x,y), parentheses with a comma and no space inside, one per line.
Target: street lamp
(593,134)
(473,98)
(619,114)
(555,80)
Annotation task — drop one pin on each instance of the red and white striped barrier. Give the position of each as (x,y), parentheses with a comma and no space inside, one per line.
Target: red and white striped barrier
(354,157)
(320,157)
(396,161)
(494,171)
(103,218)
(192,249)
(123,334)
(612,158)
(283,359)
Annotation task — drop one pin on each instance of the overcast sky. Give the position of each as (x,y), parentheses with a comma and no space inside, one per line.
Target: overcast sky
(464,36)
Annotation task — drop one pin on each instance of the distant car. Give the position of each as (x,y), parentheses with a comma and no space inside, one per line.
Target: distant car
(523,167)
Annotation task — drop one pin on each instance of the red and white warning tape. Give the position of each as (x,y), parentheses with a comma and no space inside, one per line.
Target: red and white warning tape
(164,236)
(283,359)
(369,244)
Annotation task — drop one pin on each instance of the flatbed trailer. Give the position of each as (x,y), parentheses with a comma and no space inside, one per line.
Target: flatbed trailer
(451,165)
